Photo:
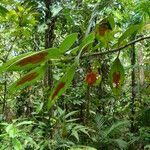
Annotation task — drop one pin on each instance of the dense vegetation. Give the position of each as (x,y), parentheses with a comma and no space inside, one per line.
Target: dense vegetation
(74,75)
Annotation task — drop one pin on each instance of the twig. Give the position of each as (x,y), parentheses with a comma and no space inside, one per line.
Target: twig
(116,49)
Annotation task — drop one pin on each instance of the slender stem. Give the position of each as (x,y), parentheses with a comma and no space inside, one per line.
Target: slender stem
(5,92)
(98,54)
(116,49)
(5,76)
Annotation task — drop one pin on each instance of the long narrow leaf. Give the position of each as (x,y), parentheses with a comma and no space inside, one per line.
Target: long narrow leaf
(35,59)
(6,65)
(27,79)
(62,85)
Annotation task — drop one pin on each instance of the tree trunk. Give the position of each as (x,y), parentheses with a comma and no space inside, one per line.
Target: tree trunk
(133,94)
(49,41)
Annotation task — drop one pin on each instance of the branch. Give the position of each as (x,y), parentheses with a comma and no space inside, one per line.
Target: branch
(116,49)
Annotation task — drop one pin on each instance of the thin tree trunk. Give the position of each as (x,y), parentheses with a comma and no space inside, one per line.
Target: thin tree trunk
(133,94)
(49,41)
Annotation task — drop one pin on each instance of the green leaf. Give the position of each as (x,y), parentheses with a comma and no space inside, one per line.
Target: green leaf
(6,65)
(111,22)
(121,143)
(17,144)
(28,79)
(68,42)
(3,10)
(87,40)
(11,130)
(62,85)
(117,76)
(75,134)
(35,59)
(82,148)
(129,32)
(24,123)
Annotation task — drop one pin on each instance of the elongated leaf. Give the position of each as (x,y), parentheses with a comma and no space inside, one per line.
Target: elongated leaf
(62,85)
(82,148)
(68,42)
(129,32)
(117,76)
(11,130)
(87,40)
(35,59)
(28,79)
(24,123)
(6,65)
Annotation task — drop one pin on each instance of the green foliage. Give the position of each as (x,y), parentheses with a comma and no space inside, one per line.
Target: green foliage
(109,136)
(132,30)
(15,135)
(83,117)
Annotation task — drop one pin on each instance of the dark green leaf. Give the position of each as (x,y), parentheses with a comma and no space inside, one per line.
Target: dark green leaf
(3,10)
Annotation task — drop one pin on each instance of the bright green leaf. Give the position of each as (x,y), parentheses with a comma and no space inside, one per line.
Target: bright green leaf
(68,42)
(17,144)
(87,40)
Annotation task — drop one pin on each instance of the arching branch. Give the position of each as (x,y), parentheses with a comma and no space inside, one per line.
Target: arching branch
(116,49)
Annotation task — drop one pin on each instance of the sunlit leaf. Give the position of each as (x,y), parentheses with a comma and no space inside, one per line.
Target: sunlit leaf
(68,42)
(117,76)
